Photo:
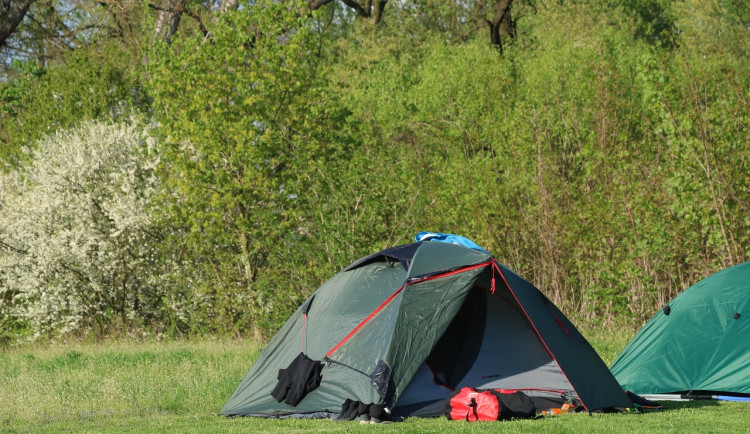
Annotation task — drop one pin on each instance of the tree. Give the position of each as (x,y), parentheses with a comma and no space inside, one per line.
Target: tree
(96,82)
(52,29)
(501,18)
(168,18)
(11,15)
(75,241)
(238,130)
(363,8)
(47,30)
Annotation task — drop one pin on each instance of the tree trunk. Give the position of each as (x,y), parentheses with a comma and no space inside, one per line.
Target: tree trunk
(257,334)
(501,23)
(378,12)
(229,5)
(168,19)
(246,262)
(363,8)
(11,15)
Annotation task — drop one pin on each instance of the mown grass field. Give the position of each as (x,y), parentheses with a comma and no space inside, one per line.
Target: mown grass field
(180,386)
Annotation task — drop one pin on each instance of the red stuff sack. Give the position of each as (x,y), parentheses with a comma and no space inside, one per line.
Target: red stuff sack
(473,405)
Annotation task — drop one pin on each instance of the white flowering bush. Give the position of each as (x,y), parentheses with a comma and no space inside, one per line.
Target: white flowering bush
(77,247)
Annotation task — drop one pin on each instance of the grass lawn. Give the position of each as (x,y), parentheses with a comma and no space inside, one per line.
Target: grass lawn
(181,386)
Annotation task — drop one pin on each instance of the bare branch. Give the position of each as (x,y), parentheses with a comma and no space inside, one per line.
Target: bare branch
(317,4)
(5,245)
(362,10)
(201,26)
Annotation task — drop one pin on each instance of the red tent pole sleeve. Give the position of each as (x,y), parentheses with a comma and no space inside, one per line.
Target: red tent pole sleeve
(388,300)
(375,312)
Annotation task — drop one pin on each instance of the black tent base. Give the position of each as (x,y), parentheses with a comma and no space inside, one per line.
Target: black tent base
(641,401)
(691,396)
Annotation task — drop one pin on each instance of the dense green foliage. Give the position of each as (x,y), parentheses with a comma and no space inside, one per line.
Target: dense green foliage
(241,142)
(94,83)
(603,154)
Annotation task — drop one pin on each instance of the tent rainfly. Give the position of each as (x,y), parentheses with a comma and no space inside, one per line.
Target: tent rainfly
(696,345)
(401,329)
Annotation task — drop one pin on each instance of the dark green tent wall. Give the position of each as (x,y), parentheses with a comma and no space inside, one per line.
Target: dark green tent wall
(700,341)
(404,326)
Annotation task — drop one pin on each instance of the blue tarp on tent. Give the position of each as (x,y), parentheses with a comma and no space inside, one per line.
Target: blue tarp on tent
(448,238)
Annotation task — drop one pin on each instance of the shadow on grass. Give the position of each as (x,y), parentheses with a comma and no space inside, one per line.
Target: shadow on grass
(681,405)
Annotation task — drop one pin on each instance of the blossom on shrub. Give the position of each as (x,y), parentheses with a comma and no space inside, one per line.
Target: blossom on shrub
(75,245)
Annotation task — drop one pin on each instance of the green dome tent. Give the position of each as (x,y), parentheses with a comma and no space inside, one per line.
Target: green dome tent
(699,342)
(404,327)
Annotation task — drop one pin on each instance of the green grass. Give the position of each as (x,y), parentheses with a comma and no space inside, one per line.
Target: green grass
(100,383)
(607,340)
(180,386)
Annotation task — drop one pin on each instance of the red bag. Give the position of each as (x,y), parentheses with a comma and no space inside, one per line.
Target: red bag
(473,405)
